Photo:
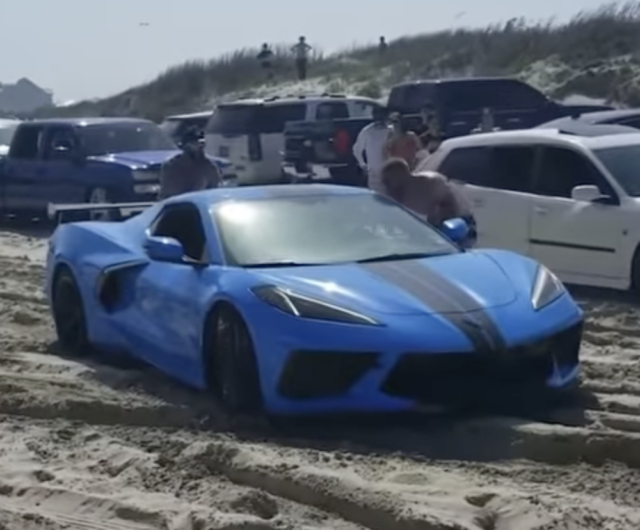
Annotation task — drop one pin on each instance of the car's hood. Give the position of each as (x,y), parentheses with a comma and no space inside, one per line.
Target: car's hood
(149,159)
(445,284)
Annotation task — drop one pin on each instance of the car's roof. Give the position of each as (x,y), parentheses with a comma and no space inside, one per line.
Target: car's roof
(8,123)
(456,80)
(277,191)
(81,122)
(601,116)
(544,136)
(312,98)
(204,114)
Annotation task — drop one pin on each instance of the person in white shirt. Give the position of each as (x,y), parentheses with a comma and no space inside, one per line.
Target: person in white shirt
(369,148)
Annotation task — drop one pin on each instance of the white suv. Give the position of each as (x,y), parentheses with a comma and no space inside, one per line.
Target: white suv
(570,202)
(250,133)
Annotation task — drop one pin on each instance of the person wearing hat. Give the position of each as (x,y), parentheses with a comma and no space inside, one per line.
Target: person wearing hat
(190,170)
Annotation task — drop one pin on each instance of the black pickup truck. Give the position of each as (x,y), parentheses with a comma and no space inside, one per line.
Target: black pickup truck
(322,150)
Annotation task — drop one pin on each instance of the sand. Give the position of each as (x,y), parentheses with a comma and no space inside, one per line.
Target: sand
(89,446)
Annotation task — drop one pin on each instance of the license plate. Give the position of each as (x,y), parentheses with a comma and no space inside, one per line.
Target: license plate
(223,151)
(320,172)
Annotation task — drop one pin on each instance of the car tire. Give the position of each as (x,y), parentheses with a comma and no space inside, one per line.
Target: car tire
(69,315)
(101,196)
(233,370)
(635,271)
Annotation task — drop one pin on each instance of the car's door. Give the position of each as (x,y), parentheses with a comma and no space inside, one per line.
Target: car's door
(578,240)
(62,169)
(496,182)
(170,297)
(23,169)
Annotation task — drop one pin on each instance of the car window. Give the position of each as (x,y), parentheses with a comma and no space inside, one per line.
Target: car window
(622,162)
(412,98)
(502,94)
(58,138)
(362,109)
(27,142)
(183,222)
(102,139)
(237,120)
(273,118)
(322,229)
(503,167)
(562,169)
(332,110)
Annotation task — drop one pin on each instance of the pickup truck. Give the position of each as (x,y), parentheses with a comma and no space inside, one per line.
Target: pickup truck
(78,160)
(323,150)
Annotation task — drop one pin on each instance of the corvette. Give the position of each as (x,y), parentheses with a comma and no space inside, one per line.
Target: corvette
(311,299)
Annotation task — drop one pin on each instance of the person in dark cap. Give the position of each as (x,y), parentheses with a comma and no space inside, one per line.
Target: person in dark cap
(190,170)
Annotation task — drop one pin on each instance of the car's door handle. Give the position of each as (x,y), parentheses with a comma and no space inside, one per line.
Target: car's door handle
(540,210)
(478,202)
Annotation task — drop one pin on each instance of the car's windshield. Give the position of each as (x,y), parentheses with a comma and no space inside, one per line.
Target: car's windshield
(323,229)
(102,139)
(623,162)
(6,133)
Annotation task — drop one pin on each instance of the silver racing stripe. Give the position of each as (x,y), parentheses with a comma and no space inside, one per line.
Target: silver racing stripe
(444,297)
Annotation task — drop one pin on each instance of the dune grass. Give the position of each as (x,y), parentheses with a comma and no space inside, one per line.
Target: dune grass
(595,54)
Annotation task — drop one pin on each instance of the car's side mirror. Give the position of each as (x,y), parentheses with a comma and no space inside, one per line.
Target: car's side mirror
(590,194)
(456,229)
(164,249)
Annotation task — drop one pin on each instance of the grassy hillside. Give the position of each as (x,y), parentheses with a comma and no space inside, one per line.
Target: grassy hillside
(597,54)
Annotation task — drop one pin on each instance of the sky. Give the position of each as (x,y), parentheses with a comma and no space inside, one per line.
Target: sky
(89,48)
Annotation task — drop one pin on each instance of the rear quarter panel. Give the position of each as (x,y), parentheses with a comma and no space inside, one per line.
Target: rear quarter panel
(87,249)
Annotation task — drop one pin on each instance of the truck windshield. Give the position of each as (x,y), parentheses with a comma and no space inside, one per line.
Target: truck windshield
(101,139)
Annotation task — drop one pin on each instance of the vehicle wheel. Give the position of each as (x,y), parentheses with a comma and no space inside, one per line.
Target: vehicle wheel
(100,196)
(635,271)
(69,316)
(233,372)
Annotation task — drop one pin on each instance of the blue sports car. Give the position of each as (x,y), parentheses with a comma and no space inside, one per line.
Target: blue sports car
(311,299)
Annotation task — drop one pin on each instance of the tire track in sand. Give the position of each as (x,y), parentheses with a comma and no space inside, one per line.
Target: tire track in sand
(469,474)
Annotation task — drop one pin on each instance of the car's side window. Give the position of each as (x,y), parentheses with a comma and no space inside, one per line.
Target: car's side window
(27,142)
(506,168)
(513,166)
(332,110)
(183,222)
(471,165)
(563,169)
(60,143)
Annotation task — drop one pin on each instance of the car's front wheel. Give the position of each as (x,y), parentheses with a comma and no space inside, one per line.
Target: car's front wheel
(232,366)
(69,315)
(101,196)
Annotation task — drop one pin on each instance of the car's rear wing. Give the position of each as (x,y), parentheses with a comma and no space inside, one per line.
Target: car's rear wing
(124,209)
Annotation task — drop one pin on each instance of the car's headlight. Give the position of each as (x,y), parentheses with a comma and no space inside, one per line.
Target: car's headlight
(546,288)
(305,307)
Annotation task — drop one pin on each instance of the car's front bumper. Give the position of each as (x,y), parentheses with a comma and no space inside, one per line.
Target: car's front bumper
(326,368)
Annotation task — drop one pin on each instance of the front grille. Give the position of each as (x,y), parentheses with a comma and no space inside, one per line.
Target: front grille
(315,374)
(451,377)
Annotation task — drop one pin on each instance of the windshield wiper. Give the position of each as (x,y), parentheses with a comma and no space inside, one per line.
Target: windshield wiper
(275,264)
(406,255)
